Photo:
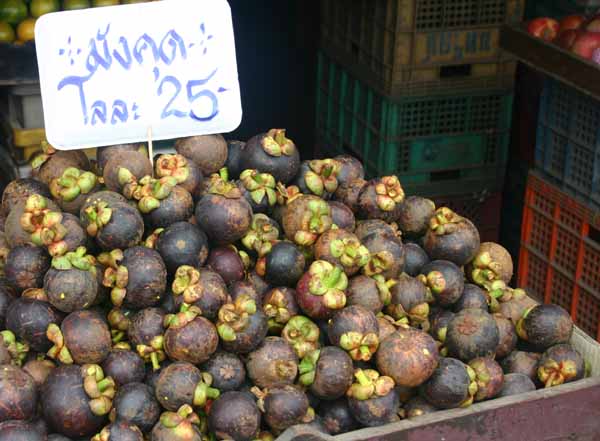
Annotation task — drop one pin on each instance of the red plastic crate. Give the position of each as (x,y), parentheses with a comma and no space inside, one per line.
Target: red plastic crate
(559,260)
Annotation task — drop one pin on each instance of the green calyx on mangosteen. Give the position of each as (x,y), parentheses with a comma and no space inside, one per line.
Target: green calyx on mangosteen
(372,398)
(261,236)
(381,199)
(318,177)
(241,325)
(489,378)
(147,190)
(272,152)
(260,190)
(342,248)
(181,425)
(320,291)
(492,262)
(72,184)
(302,334)
(279,305)
(451,237)
(356,330)
(119,430)
(444,281)
(305,218)
(100,389)
(44,226)
(119,321)
(152,239)
(560,364)
(408,299)
(12,351)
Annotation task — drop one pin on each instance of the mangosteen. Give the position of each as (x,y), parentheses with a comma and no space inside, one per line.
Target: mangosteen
(182,243)
(7,295)
(386,255)
(302,334)
(235,150)
(444,280)
(327,372)
(272,153)
(336,417)
(182,383)
(387,325)
(241,326)
(189,336)
(146,335)
(342,216)
(418,406)
(16,430)
(261,237)
(516,384)
(227,263)
(234,415)
(355,329)
(511,303)
(560,364)
(305,218)
(381,198)
(408,299)
(492,262)
(507,336)
(284,406)
(131,162)
(520,362)
(25,267)
(365,228)
(472,333)
(545,325)
(18,400)
(247,289)
(320,291)
(222,212)
(348,193)
(19,190)
(120,431)
(208,152)
(284,264)
(51,163)
(371,293)
(28,318)
(451,237)
(29,218)
(124,366)
(183,425)
(83,337)
(413,216)
(186,173)
(227,371)
(71,188)
(343,249)
(350,168)
(489,378)
(279,305)
(452,384)
(103,154)
(71,283)
(137,276)
(113,224)
(472,297)
(204,289)
(415,259)
(259,189)
(75,399)
(409,356)
(135,403)
(274,363)
(318,177)
(372,399)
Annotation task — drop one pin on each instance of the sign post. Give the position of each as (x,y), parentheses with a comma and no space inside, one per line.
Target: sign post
(123,74)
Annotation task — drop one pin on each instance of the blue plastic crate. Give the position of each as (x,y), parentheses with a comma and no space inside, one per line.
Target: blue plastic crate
(568,141)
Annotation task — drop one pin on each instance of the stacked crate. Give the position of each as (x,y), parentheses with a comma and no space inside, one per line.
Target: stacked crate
(560,237)
(421,89)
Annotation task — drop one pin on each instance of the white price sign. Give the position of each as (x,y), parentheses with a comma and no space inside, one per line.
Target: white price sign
(109,74)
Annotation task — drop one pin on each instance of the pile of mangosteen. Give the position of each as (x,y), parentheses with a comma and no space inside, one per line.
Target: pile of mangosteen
(231,291)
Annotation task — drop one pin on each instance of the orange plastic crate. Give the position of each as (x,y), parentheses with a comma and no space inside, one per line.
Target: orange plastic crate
(559,260)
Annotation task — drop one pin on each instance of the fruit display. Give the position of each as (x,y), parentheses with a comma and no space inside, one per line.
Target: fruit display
(576,33)
(233,290)
(18,17)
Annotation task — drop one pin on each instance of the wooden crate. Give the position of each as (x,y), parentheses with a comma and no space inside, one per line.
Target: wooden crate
(567,412)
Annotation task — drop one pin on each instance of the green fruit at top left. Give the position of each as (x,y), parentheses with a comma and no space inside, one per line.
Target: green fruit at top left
(41,7)
(13,11)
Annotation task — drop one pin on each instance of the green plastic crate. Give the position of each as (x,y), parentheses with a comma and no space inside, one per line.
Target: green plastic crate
(458,140)
(559,8)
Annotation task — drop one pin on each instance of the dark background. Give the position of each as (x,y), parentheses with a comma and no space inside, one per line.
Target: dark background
(276,47)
